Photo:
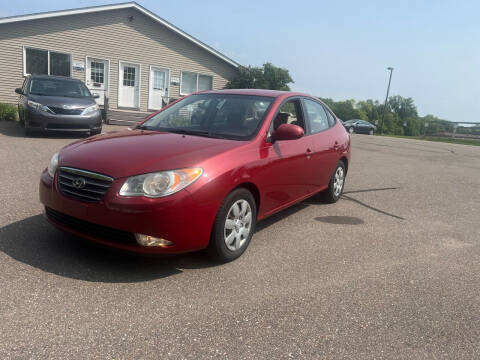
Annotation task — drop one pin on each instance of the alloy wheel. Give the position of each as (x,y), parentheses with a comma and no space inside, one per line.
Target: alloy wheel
(237,225)
(338,181)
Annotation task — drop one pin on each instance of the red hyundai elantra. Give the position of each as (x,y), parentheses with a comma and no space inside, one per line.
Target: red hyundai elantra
(199,173)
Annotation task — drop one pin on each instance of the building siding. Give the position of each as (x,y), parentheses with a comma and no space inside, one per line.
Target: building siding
(108,35)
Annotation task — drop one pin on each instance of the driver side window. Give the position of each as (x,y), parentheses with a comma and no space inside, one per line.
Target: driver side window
(289,113)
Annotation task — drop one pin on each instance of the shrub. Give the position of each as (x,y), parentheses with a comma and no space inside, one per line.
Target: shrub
(8,112)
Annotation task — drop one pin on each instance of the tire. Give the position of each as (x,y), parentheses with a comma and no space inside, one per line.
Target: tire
(95,132)
(351,130)
(28,132)
(371,132)
(229,241)
(333,192)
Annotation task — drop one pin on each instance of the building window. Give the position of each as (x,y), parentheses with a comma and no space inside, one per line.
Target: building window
(36,61)
(129,76)
(204,82)
(46,62)
(97,72)
(192,82)
(158,80)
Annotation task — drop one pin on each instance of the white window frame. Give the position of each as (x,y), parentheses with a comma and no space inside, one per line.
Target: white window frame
(48,59)
(197,75)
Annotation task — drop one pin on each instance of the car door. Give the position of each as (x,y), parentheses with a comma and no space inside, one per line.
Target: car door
(286,171)
(324,145)
(364,126)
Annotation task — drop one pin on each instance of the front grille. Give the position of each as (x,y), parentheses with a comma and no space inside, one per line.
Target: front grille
(62,111)
(88,228)
(83,185)
(68,127)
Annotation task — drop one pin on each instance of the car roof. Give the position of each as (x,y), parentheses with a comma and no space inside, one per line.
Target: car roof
(256,92)
(53,77)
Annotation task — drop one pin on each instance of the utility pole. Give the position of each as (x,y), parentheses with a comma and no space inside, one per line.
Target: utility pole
(386,99)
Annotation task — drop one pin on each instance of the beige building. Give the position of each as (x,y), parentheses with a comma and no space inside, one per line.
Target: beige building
(135,60)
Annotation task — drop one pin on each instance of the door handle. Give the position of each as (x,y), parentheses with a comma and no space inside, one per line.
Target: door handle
(336,146)
(308,153)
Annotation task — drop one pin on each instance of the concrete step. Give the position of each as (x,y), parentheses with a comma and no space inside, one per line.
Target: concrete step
(127,118)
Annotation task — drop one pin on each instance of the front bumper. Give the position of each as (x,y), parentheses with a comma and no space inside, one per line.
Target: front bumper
(177,218)
(42,121)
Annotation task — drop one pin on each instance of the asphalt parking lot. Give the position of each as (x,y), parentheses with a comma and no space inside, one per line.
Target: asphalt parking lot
(390,271)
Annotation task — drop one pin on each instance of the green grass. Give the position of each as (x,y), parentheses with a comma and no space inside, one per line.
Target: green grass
(439,139)
(8,112)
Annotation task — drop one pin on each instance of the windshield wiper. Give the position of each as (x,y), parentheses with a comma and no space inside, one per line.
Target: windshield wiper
(188,132)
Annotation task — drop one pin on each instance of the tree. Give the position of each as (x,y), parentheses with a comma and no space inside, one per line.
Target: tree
(266,77)
(401,116)
(403,107)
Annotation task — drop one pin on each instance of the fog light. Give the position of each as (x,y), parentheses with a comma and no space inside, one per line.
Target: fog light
(147,240)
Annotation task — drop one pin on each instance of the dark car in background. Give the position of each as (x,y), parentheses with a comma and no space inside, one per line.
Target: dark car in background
(359,127)
(55,103)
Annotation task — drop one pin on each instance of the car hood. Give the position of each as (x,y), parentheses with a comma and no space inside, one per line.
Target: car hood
(132,152)
(59,101)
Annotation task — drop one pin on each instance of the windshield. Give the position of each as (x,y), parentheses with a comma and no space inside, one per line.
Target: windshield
(56,87)
(235,117)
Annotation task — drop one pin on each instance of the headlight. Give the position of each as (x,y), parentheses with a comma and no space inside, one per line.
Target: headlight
(52,166)
(37,106)
(90,109)
(160,183)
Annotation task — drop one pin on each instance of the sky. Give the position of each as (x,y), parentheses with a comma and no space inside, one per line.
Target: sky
(338,49)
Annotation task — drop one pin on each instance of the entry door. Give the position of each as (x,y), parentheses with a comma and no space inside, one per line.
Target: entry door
(129,85)
(97,78)
(158,87)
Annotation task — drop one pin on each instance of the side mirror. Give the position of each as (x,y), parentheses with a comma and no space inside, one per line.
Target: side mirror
(19,91)
(288,132)
(96,96)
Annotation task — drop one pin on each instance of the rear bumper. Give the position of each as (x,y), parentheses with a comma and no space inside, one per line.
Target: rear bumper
(177,218)
(42,121)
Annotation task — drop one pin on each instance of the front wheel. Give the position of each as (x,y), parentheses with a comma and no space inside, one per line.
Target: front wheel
(371,132)
(234,226)
(95,131)
(350,130)
(336,184)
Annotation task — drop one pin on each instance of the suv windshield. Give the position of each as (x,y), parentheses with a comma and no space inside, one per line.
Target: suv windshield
(235,117)
(56,87)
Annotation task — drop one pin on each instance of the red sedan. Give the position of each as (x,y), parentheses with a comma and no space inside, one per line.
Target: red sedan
(199,173)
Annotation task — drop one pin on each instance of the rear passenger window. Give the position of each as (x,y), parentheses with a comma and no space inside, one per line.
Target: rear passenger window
(317,116)
(331,119)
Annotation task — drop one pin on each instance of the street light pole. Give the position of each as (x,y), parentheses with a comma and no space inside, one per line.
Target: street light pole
(386,99)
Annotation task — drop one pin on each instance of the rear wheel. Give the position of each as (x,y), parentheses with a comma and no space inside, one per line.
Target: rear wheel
(234,226)
(335,187)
